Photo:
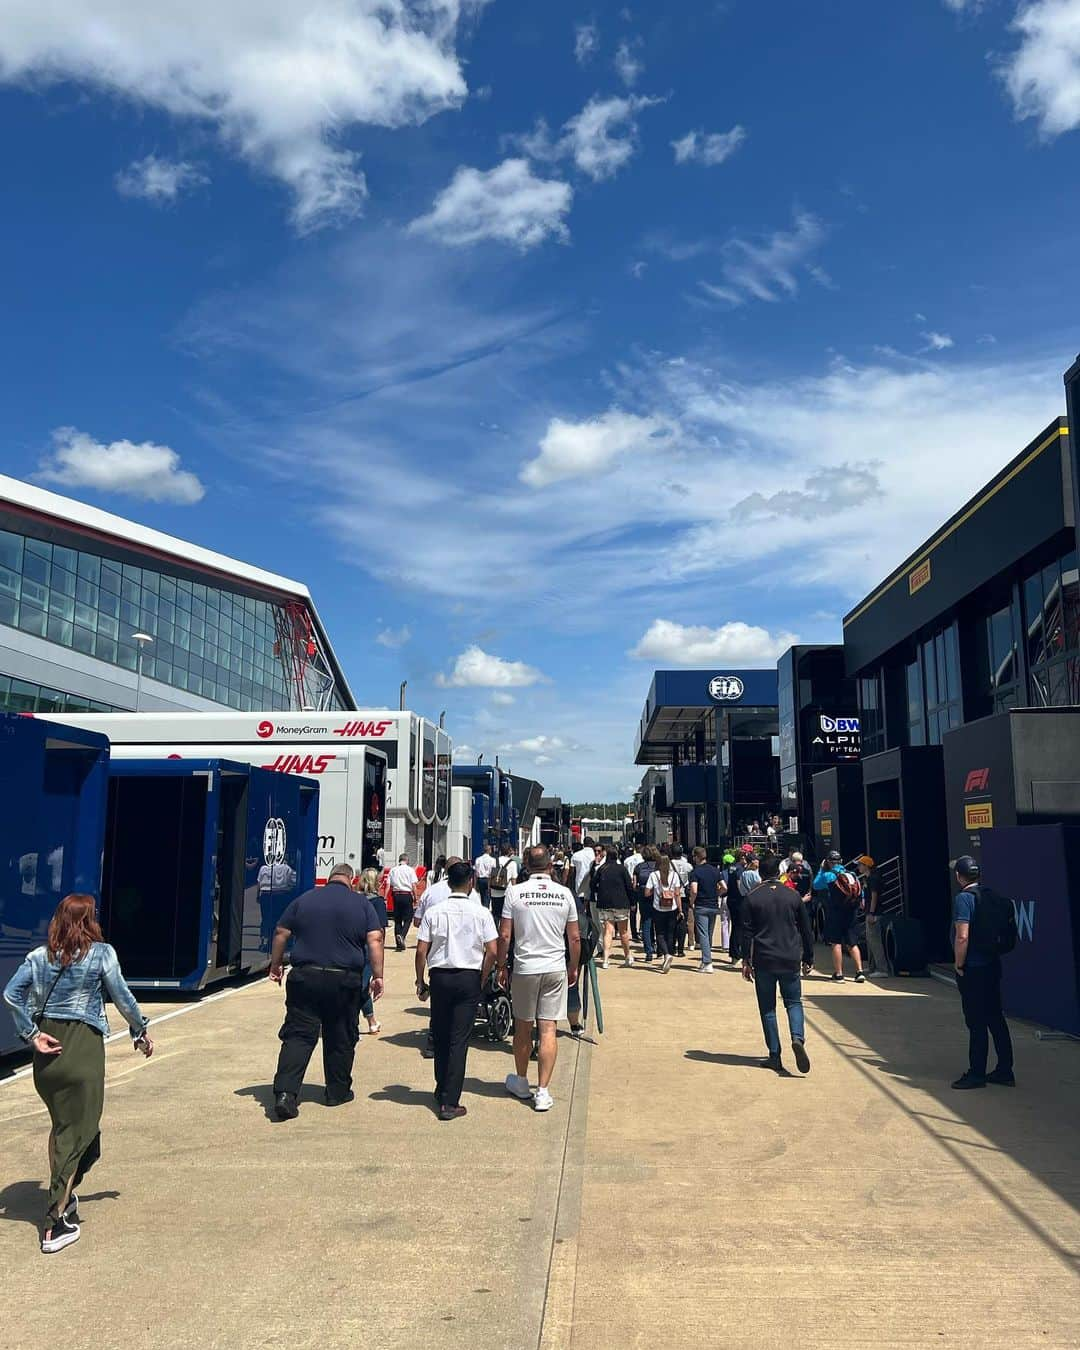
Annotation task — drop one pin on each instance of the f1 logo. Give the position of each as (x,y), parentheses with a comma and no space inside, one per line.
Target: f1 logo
(978,780)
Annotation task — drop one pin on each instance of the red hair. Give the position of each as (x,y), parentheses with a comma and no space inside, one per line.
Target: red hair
(73,928)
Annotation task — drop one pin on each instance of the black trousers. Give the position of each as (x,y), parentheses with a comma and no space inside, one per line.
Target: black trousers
(403,912)
(734,904)
(980,997)
(455,995)
(319,1003)
(664,931)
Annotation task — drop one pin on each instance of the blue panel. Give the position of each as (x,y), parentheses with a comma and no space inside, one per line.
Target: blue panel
(279,862)
(53,787)
(690,689)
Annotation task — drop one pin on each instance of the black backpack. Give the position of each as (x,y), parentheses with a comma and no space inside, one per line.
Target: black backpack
(993,924)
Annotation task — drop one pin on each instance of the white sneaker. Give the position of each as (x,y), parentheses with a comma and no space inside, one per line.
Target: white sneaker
(603,965)
(629,960)
(543,1101)
(518,1086)
(666,966)
(705,970)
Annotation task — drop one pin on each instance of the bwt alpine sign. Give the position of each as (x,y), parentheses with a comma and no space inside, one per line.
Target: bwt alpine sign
(726,688)
(833,738)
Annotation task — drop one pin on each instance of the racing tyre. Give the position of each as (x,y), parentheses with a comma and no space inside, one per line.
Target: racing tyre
(905,947)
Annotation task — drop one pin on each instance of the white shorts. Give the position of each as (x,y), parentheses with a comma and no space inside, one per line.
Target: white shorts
(539,997)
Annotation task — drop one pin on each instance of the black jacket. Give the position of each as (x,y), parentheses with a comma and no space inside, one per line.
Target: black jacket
(612,887)
(776,933)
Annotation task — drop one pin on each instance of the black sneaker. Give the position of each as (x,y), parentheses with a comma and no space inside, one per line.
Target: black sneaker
(838,979)
(452,1112)
(577,1032)
(1002,1078)
(802,1059)
(969,1080)
(61,1234)
(860,978)
(350,1096)
(774,1062)
(285,1106)
(71,1211)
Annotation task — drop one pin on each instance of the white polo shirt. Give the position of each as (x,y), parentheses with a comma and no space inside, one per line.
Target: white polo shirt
(485,865)
(458,929)
(582,860)
(435,895)
(403,878)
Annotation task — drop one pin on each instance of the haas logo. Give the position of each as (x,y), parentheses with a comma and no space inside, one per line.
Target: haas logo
(364,728)
(978,780)
(264,729)
(299,763)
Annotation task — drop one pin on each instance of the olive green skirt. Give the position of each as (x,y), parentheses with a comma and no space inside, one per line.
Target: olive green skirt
(72,1086)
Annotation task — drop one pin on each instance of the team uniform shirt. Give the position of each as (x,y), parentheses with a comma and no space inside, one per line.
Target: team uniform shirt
(511,875)
(539,910)
(485,865)
(683,868)
(403,878)
(329,926)
(633,861)
(708,880)
(655,887)
(458,928)
(582,861)
(963,911)
(435,894)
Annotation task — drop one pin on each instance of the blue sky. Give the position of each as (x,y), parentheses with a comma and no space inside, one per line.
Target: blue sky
(548,344)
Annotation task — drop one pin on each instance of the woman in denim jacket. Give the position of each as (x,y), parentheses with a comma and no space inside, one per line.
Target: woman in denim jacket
(57,1002)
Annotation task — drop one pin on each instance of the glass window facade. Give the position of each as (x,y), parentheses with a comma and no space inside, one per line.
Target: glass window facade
(1051,601)
(20,696)
(210,641)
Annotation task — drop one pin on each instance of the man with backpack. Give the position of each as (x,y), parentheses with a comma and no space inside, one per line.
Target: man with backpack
(504,876)
(984,930)
(842,893)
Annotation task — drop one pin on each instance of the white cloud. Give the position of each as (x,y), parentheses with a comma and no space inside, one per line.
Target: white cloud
(591,139)
(586,43)
(508,204)
(535,745)
(501,699)
(638,269)
(708,148)
(577,449)
(144,470)
(394,637)
(477,669)
(732,644)
(1043,74)
(627,66)
(767,270)
(158,180)
(937,342)
(281,81)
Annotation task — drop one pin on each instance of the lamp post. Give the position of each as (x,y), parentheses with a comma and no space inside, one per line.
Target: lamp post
(143,639)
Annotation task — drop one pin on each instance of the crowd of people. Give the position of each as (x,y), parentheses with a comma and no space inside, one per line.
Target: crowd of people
(527,925)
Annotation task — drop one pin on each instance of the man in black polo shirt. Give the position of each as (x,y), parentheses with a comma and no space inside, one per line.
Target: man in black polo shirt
(776,938)
(336,937)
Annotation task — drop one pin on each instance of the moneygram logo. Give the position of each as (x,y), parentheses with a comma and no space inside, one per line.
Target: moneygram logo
(264,729)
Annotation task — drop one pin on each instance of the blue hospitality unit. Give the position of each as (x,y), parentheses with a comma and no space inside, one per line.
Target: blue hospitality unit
(486,782)
(53,783)
(201,858)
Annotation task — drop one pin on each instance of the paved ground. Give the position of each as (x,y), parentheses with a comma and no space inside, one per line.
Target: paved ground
(677,1195)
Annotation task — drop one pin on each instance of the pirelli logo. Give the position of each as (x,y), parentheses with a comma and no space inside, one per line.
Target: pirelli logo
(979,816)
(826,829)
(889,814)
(919,578)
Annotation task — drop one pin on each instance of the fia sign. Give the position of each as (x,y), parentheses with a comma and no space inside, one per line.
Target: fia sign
(726,688)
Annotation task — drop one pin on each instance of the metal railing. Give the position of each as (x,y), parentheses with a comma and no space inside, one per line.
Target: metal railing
(890,878)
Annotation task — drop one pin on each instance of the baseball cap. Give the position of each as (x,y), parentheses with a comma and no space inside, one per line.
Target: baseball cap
(966,866)
(729,857)
(832,856)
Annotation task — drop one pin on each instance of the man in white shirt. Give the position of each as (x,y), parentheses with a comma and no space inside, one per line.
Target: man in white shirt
(503,877)
(403,884)
(458,944)
(630,863)
(541,918)
(484,867)
(439,891)
(583,861)
(684,937)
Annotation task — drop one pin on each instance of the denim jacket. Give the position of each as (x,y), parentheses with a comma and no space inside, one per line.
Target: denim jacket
(78,995)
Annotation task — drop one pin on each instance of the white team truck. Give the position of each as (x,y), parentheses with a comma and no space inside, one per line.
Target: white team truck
(385,776)
(459,835)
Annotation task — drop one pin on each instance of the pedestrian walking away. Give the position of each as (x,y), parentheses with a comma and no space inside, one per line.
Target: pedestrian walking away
(642,872)
(665,891)
(503,877)
(336,943)
(730,873)
(484,867)
(984,930)
(708,892)
(614,898)
(367,883)
(684,933)
(842,892)
(57,1002)
(777,942)
(630,862)
(404,885)
(458,942)
(540,917)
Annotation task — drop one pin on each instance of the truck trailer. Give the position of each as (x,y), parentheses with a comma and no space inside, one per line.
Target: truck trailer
(385,776)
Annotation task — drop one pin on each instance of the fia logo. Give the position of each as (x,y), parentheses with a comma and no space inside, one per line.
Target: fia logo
(726,687)
(274,842)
